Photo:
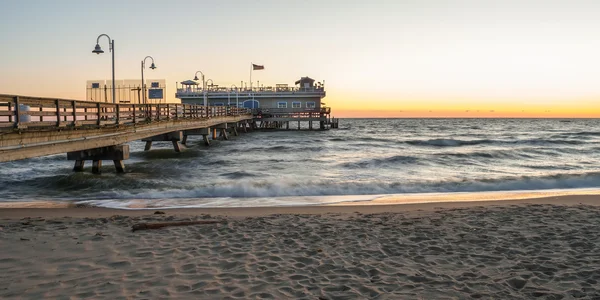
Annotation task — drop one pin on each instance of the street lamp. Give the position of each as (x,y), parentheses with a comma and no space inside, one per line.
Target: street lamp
(211,83)
(111,48)
(203,86)
(237,104)
(152,66)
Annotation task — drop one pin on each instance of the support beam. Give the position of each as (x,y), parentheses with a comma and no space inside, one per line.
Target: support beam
(224,133)
(206,140)
(233,127)
(234,130)
(199,131)
(96,166)
(79,165)
(119,166)
(174,137)
(115,153)
(184,139)
(176,146)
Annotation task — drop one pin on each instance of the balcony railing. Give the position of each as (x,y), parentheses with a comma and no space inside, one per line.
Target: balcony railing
(245,92)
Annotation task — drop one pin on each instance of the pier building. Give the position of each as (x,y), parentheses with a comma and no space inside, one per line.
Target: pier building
(272,106)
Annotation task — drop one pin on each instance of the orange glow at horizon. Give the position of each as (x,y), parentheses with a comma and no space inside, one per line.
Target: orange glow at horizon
(451,108)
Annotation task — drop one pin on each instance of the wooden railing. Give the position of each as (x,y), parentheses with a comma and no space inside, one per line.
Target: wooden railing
(313,110)
(18,112)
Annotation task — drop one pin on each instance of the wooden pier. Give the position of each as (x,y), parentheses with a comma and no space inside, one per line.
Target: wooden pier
(85,130)
(280,118)
(97,131)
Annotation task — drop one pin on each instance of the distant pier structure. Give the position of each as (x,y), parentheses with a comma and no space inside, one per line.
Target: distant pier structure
(278,107)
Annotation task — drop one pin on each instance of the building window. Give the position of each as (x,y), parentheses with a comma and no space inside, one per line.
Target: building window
(218,104)
(281,104)
(310,104)
(95,85)
(296,104)
(154,84)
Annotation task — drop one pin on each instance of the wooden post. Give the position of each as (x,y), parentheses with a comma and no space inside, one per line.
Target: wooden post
(10,117)
(206,140)
(57,102)
(148,146)
(158,111)
(74,104)
(224,133)
(96,166)
(99,113)
(79,165)
(168,112)
(134,115)
(17,112)
(184,139)
(119,166)
(85,112)
(41,117)
(118,113)
(214,136)
(176,146)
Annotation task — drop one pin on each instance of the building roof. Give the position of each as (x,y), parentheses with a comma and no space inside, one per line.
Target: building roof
(189,82)
(305,79)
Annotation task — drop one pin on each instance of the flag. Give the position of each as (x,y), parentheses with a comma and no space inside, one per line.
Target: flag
(257,67)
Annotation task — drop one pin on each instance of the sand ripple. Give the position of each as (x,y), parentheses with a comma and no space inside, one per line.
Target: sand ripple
(516,252)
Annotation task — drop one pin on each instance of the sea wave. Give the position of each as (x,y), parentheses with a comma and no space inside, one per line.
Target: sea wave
(442,142)
(257,188)
(381,161)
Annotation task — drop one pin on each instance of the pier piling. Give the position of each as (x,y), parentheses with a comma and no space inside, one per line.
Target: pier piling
(116,153)
(79,165)
(174,137)
(96,166)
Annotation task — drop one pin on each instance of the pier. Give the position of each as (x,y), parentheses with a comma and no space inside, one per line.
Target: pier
(97,131)
(274,107)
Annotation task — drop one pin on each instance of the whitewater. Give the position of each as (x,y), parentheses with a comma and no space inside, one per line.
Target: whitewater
(362,160)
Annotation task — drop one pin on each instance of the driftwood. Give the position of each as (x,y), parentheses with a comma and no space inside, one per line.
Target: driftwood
(147,226)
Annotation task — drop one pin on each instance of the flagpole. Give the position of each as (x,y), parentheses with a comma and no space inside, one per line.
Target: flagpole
(251,67)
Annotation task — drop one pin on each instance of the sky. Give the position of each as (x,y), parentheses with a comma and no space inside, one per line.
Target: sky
(392,58)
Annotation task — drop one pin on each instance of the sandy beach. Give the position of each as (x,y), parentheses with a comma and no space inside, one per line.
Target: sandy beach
(544,248)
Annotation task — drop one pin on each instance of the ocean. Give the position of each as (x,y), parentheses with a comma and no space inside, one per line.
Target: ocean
(361,161)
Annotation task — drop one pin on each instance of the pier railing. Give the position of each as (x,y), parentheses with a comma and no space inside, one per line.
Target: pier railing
(18,112)
(254,92)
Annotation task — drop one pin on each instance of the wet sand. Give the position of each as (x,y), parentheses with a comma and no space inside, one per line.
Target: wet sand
(518,249)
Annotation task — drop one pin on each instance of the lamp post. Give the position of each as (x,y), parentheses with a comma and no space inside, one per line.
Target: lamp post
(203,86)
(111,48)
(152,66)
(237,104)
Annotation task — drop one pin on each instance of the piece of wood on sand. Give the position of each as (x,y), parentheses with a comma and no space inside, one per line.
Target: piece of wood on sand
(147,226)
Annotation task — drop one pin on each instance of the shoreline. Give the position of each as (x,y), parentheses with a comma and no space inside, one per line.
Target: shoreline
(382,205)
(506,249)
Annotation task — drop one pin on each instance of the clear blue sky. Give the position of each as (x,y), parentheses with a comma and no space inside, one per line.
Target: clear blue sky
(401,55)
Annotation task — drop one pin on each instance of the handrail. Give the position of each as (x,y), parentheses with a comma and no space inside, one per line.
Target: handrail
(273,90)
(19,112)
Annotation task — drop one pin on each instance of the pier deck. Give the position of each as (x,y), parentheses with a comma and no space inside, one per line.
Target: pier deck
(32,126)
